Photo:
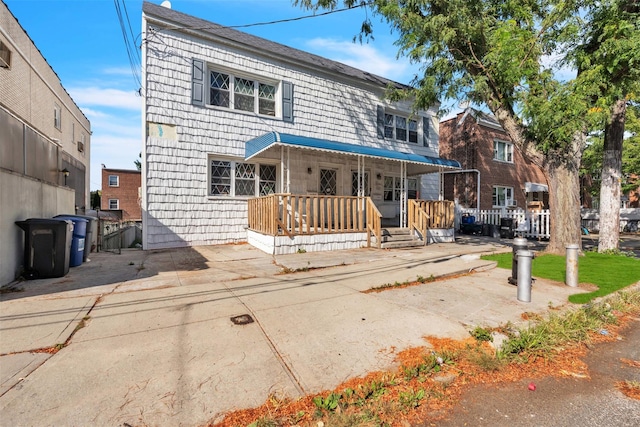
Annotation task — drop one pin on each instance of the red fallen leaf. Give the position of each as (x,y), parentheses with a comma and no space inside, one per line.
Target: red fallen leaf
(532,387)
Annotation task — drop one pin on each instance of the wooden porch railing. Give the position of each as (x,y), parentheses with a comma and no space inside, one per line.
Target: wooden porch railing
(374,223)
(425,214)
(295,214)
(418,220)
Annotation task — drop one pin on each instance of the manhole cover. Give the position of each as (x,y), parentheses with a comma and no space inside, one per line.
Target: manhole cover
(243,319)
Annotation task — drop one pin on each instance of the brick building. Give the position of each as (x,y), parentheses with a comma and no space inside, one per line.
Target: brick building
(44,143)
(488,159)
(121,192)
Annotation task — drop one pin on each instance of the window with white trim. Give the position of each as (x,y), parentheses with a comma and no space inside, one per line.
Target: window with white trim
(238,179)
(57,116)
(114,181)
(502,151)
(114,204)
(241,93)
(393,186)
(502,196)
(400,128)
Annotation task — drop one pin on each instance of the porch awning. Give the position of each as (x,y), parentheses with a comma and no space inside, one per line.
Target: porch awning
(531,187)
(256,146)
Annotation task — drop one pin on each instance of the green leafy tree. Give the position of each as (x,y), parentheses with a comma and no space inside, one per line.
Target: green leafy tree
(96,197)
(607,55)
(496,53)
(138,162)
(593,156)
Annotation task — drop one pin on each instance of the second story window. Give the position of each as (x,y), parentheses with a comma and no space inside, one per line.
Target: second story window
(400,128)
(57,116)
(5,56)
(114,204)
(503,151)
(114,181)
(244,94)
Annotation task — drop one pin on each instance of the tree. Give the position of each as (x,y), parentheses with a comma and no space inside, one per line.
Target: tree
(608,57)
(591,167)
(138,163)
(494,53)
(96,197)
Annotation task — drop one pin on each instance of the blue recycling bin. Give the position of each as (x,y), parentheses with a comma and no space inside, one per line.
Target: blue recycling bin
(79,236)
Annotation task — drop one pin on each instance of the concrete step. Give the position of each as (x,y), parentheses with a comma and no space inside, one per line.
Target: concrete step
(394,238)
(402,244)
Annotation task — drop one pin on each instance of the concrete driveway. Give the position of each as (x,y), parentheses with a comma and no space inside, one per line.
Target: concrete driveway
(148,337)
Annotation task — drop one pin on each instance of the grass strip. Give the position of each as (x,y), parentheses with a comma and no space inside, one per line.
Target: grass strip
(609,272)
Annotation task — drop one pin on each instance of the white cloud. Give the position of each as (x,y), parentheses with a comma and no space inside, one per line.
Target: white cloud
(114,98)
(118,71)
(116,141)
(364,57)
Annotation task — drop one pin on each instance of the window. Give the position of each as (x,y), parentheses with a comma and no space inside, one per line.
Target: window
(57,116)
(244,94)
(365,184)
(400,128)
(5,56)
(503,196)
(267,179)
(229,178)
(392,188)
(388,188)
(328,182)
(114,181)
(114,204)
(503,151)
(81,143)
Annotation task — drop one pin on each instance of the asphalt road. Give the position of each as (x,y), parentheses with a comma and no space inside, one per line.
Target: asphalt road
(556,402)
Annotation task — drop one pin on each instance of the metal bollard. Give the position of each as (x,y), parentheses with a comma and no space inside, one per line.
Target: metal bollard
(519,243)
(524,275)
(571,276)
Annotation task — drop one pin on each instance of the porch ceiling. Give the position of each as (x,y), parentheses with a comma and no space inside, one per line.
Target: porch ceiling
(417,164)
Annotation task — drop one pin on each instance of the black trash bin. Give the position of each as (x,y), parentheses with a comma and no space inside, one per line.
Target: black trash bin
(506,228)
(47,244)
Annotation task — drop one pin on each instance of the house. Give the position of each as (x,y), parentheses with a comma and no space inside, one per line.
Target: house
(121,192)
(44,143)
(494,173)
(251,140)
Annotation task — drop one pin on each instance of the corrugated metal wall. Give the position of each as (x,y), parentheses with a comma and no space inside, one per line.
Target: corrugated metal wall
(24,151)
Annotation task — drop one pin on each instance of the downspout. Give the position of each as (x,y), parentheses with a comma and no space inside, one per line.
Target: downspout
(143,157)
(477,185)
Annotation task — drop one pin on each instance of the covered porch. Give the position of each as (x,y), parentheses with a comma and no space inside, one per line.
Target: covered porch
(331,195)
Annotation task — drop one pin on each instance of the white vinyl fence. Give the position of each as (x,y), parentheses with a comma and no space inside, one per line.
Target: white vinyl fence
(534,224)
(629,220)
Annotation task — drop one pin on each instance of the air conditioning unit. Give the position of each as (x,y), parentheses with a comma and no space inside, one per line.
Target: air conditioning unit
(512,204)
(80,146)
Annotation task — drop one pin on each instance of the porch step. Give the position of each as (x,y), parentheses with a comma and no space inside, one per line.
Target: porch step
(396,238)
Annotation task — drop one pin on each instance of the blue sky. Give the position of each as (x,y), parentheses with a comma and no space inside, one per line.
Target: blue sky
(82,40)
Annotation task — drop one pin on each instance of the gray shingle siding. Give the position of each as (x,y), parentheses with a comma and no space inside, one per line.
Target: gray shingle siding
(334,102)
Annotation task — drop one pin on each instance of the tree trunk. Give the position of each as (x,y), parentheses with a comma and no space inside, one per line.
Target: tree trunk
(611,177)
(564,200)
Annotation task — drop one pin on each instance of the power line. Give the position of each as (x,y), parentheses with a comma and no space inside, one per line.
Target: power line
(278,21)
(132,54)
